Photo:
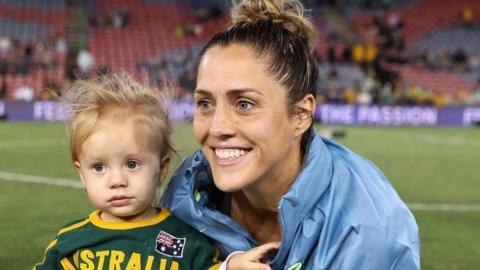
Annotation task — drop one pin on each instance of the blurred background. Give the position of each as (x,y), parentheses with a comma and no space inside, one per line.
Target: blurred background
(399,83)
(388,52)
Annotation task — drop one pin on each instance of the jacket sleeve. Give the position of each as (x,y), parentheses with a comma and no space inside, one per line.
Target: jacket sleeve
(369,248)
(406,260)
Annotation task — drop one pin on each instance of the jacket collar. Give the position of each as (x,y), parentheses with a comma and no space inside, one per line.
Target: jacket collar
(184,201)
(305,192)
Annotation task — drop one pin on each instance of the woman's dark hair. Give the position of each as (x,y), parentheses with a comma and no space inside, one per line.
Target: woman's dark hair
(278,31)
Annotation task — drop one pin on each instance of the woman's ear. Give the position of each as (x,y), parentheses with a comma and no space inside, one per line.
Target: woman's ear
(79,171)
(164,163)
(305,108)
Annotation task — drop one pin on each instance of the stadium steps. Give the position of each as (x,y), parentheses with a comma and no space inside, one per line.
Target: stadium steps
(421,17)
(77,26)
(34,15)
(149,34)
(54,18)
(339,25)
(438,82)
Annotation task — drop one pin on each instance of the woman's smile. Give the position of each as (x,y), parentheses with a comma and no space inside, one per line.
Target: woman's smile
(229,156)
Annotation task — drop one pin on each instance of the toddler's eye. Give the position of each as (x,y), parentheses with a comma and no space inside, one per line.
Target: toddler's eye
(132,164)
(98,167)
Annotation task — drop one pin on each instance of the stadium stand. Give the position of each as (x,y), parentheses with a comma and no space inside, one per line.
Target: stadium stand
(153,31)
(383,52)
(31,50)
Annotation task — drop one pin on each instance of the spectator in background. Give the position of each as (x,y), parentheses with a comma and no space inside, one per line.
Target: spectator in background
(50,90)
(444,60)
(24,93)
(85,62)
(331,54)
(474,98)
(15,57)
(3,64)
(358,55)
(207,13)
(188,80)
(160,73)
(27,59)
(460,60)
(191,30)
(3,88)
(467,17)
(5,45)
(119,18)
(44,55)
(347,54)
(61,45)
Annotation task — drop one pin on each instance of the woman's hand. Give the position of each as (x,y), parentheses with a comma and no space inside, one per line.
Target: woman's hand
(254,259)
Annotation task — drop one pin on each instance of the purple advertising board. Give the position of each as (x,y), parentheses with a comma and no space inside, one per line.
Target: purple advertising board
(325,113)
(397,115)
(2,109)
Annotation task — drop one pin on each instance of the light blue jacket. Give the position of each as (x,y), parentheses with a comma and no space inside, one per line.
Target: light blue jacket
(340,213)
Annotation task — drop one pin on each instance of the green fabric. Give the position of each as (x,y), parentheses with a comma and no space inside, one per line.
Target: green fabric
(92,247)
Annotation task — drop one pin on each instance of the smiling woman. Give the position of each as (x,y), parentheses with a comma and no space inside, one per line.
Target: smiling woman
(263,174)
(243,114)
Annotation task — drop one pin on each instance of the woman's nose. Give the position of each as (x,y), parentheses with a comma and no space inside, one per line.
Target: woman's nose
(223,122)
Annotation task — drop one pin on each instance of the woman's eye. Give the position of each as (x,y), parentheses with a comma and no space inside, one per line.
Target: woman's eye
(244,105)
(99,167)
(203,105)
(132,164)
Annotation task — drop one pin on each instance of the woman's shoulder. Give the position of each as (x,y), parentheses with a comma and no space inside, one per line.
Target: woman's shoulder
(349,202)
(355,191)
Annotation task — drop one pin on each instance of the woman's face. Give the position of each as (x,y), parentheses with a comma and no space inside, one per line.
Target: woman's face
(241,120)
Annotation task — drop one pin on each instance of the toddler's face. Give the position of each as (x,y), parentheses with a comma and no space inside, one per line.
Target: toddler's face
(120,170)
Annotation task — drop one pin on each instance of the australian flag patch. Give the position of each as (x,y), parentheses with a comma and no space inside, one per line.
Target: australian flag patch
(170,245)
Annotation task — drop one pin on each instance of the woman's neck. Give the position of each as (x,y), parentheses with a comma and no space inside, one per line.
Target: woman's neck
(264,195)
(256,207)
(262,225)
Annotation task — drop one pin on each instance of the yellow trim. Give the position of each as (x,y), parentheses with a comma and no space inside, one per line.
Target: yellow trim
(215,267)
(97,221)
(217,255)
(66,264)
(215,259)
(50,245)
(73,227)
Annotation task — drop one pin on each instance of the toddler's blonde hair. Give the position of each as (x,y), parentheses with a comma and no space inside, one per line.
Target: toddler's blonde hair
(117,96)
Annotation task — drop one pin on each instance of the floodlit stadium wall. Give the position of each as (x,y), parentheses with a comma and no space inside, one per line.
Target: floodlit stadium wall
(326,114)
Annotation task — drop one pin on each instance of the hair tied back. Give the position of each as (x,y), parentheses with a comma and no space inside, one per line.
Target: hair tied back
(288,14)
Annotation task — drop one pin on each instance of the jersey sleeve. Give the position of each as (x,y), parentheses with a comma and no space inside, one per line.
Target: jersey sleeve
(205,254)
(50,259)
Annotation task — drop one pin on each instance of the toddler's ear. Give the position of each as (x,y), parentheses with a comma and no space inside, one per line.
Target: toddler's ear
(164,163)
(77,168)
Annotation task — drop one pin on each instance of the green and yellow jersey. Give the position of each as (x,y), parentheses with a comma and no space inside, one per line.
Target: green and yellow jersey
(161,243)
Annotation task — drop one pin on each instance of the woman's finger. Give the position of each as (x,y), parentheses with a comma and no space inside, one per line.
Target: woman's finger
(257,253)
